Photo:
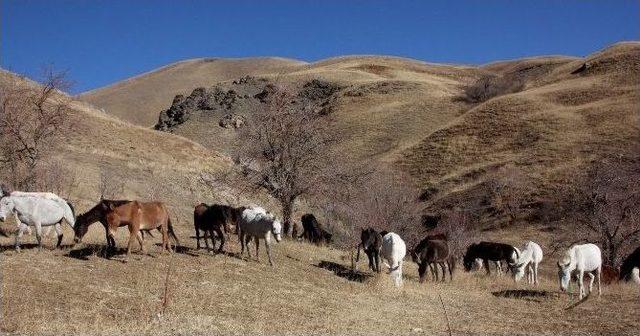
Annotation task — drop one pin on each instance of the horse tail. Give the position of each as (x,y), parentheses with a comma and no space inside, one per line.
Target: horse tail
(171,232)
(69,213)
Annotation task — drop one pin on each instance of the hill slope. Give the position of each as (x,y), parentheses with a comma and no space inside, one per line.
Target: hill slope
(409,114)
(141,98)
(147,163)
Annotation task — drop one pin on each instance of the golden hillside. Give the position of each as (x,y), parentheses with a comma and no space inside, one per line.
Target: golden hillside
(409,113)
(149,164)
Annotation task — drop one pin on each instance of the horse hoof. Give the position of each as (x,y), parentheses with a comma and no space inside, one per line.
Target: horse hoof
(17,248)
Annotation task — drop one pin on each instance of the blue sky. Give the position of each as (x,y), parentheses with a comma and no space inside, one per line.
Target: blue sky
(100,42)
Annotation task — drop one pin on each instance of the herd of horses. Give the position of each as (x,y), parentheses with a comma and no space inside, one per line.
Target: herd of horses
(46,210)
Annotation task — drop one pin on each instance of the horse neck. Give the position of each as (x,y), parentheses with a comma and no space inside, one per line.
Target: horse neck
(93,215)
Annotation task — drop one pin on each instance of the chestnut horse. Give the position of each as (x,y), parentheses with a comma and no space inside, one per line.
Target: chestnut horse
(138,216)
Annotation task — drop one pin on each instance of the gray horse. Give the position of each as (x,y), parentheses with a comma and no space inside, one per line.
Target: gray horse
(257,223)
(39,210)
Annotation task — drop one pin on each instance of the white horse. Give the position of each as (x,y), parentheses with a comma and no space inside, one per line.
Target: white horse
(256,223)
(635,276)
(39,212)
(578,260)
(530,258)
(47,195)
(393,251)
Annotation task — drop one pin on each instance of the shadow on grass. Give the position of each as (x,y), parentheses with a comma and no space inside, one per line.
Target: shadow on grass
(525,294)
(344,272)
(31,246)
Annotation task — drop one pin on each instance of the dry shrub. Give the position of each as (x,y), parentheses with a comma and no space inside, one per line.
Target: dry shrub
(32,122)
(605,205)
(508,189)
(489,86)
(384,201)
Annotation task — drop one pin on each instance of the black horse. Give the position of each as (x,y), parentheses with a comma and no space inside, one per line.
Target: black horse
(489,251)
(371,242)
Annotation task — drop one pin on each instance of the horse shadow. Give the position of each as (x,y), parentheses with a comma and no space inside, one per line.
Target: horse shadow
(344,272)
(94,249)
(524,294)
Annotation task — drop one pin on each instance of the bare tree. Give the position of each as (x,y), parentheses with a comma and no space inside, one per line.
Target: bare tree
(385,200)
(456,224)
(286,150)
(606,206)
(32,119)
(508,189)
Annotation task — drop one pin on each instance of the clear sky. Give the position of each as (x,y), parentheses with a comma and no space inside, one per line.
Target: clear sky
(102,41)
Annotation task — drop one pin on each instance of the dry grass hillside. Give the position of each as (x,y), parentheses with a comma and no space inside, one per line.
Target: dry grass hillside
(409,114)
(140,99)
(149,164)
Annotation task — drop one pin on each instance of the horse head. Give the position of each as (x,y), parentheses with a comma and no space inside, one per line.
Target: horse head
(6,207)
(276,229)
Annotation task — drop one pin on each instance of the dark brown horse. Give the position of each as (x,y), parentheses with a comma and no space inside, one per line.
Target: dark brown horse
(371,243)
(213,218)
(432,253)
(138,216)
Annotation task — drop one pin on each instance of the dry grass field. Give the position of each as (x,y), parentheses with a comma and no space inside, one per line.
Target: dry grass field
(406,114)
(310,291)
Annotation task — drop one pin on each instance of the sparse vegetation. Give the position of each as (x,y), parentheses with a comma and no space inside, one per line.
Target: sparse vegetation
(490,86)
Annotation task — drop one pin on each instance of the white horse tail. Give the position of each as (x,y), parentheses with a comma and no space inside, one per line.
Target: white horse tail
(69,212)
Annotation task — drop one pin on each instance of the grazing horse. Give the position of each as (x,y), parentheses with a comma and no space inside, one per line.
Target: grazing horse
(213,218)
(489,251)
(433,252)
(530,258)
(393,251)
(312,231)
(630,262)
(578,260)
(257,223)
(138,216)
(371,243)
(37,211)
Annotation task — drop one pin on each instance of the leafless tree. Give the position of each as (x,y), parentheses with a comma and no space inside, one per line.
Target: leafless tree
(385,200)
(489,86)
(32,120)
(508,189)
(606,206)
(286,150)
(457,225)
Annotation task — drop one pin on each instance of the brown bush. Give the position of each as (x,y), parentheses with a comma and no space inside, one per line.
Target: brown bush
(489,86)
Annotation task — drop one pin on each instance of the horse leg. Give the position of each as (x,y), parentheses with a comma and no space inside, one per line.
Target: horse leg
(257,248)
(22,227)
(377,259)
(58,228)
(268,247)
(592,277)
(486,266)
(241,239)
(535,274)
(581,284)
(197,237)
(371,263)
(422,269)
(206,235)
(599,274)
(247,239)
(38,226)
(133,232)
(221,239)
(141,241)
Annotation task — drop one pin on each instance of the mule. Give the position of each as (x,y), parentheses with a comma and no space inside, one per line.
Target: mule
(38,212)
(257,223)
(137,216)
(578,260)
(393,251)
(371,243)
(490,251)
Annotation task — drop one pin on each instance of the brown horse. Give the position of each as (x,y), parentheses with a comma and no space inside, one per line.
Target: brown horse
(138,216)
